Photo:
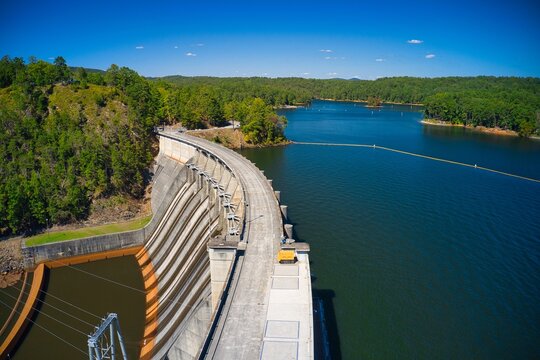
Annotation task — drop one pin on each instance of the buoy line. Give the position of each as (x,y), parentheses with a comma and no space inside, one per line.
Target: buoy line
(374,146)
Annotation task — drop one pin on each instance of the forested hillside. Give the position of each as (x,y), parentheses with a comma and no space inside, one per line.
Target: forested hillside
(505,102)
(69,137)
(65,141)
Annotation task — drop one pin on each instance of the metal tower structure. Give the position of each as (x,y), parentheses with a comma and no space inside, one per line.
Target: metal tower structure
(102,345)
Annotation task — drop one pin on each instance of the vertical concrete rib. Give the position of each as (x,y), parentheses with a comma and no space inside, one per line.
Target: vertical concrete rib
(181,268)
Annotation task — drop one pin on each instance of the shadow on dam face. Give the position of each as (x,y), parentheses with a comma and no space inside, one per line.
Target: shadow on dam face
(327,343)
(325,331)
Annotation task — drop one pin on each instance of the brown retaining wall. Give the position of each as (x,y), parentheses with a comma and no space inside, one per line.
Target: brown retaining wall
(26,313)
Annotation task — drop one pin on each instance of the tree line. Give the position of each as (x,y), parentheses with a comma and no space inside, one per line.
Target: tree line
(507,102)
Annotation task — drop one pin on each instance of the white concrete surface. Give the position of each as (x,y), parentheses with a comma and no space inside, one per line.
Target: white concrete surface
(253,304)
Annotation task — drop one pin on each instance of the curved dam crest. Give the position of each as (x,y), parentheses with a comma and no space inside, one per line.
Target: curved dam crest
(214,288)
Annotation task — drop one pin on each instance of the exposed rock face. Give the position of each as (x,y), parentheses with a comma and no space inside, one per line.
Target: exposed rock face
(11,262)
(9,279)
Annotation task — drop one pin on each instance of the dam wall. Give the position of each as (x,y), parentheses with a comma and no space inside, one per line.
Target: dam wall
(265,311)
(170,180)
(57,252)
(196,200)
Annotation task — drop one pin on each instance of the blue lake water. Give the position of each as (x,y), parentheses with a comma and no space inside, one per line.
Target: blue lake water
(414,258)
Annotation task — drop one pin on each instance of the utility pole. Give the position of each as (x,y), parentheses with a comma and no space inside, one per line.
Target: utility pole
(100,346)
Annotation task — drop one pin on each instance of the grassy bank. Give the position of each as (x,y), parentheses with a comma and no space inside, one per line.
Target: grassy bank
(64,235)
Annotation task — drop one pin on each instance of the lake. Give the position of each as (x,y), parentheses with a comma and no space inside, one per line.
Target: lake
(414,258)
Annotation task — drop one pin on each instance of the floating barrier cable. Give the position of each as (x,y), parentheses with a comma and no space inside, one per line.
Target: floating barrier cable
(374,146)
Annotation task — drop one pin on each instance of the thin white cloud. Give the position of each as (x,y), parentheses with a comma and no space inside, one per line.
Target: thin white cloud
(140,47)
(330,58)
(380,60)
(415,41)
(332,73)
(190,54)
(430,56)
(326,51)
(176,46)
(306,73)
(199,44)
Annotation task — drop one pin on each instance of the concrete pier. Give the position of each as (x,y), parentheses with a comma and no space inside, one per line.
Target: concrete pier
(289,230)
(284,209)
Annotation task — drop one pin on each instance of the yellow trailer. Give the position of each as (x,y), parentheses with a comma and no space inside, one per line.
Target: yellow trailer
(286,256)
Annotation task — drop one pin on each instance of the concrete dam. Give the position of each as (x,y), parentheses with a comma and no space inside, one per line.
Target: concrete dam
(214,287)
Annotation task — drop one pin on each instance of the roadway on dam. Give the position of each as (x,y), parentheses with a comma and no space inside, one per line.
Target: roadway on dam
(239,332)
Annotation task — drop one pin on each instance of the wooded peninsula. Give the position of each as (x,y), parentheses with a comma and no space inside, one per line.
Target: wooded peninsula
(72,136)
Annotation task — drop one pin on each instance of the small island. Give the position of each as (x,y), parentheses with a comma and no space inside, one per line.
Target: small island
(374,102)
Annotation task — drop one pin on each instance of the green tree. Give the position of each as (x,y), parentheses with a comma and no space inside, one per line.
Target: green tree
(61,69)
(82,77)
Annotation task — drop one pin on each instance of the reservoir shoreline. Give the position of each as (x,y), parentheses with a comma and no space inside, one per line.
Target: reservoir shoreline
(486,130)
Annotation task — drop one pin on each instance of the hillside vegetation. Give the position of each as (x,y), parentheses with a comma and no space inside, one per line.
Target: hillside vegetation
(506,102)
(65,143)
(71,138)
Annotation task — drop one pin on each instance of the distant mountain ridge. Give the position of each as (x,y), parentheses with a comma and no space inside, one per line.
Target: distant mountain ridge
(89,70)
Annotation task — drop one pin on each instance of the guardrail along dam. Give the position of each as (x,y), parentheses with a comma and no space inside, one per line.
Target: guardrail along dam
(209,260)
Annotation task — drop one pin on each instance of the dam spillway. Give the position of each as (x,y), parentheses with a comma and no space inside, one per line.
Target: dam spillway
(236,301)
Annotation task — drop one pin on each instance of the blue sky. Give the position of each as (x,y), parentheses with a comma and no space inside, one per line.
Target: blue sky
(281,38)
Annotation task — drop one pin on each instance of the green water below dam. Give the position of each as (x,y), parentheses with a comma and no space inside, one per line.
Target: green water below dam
(75,298)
